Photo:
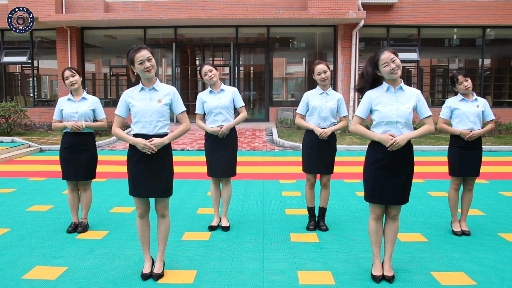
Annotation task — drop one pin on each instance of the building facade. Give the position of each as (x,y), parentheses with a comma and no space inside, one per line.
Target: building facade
(263,48)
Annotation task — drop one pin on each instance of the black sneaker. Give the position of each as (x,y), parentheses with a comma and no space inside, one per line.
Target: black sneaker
(83,227)
(73,227)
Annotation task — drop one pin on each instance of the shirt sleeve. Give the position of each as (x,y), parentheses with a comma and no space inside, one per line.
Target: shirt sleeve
(342,107)
(237,99)
(123,107)
(303,105)
(422,106)
(99,113)
(177,103)
(57,114)
(446,111)
(199,105)
(365,106)
(487,114)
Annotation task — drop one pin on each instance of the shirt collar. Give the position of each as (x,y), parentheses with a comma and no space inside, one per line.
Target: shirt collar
(155,86)
(386,86)
(84,96)
(222,88)
(319,91)
(459,97)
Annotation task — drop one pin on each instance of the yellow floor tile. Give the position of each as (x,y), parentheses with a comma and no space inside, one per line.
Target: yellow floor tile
(122,209)
(453,278)
(7,190)
(65,192)
(196,236)
(360,193)
(438,194)
(506,193)
(36,179)
(209,193)
(481,181)
(418,180)
(92,235)
(45,273)
(291,193)
(205,211)
(474,212)
(178,277)
(287,181)
(296,211)
(352,181)
(506,236)
(411,237)
(315,278)
(99,180)
(40,208)
(4,230)
(304,237)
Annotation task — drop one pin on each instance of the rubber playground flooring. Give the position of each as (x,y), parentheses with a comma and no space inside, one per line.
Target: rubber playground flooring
(267,245)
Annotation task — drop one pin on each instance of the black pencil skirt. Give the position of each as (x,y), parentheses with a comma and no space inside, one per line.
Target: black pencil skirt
(150,175)
(464,157)
(387,175)
(318,155)
(221,154)
(78,156)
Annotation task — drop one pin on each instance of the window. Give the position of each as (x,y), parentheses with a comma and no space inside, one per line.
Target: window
(498,67)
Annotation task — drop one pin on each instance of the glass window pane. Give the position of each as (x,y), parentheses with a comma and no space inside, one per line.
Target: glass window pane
(160,37)
(106,70)
(403,36)
(252,35)
(18,78)
(498,67)
(206,35)
(293,51)
(45,67)
(371,39)
(443,51)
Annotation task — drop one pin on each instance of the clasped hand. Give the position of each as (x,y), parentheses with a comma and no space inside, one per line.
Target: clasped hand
(393,142)
(323,133)
(149,146)
(469,135)
(74,126)
(221,131)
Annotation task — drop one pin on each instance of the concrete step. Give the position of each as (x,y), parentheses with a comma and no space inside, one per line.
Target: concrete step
(18,154)
(5,150)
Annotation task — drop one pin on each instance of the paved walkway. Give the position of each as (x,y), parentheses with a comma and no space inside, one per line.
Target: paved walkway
(251,137)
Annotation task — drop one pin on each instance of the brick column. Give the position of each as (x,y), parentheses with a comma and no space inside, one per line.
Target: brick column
(75,53)
(344,56)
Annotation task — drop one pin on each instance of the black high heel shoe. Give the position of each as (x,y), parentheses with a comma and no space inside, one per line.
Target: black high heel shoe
(389,278)
(147,276)
(456,233)
(213,227)
(376,278)
(158,276)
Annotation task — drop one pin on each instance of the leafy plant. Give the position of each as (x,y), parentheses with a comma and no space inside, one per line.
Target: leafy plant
(12,117)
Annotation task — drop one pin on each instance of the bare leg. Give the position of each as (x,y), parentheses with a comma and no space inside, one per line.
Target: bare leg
(227,190)
(453,201)
(163,226)
(85,198)
(73,199)
(325,191)
(142,207)
(375,230)
(310,189)
(215,195)
(467,198)
(390,234)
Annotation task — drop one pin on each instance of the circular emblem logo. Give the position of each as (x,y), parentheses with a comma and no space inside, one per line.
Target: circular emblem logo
(20,20)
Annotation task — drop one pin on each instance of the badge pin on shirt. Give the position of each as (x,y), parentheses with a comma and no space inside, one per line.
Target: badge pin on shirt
(159,101)
(477,106)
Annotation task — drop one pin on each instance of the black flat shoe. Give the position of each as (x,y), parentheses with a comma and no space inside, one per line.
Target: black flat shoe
(466,232)
(72,228)
(225,228)
(147,276)
(82,227)
(376,278)
(158,276)
(213,227)
(456,233)
(389,278)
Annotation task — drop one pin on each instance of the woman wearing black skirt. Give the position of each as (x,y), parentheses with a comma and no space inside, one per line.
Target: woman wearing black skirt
(389,163)
(218,102)
(321,112)
(149,159)
(75,115)
(466,112)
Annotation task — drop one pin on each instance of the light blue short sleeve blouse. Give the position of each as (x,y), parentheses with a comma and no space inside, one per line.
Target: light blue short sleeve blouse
(87,108)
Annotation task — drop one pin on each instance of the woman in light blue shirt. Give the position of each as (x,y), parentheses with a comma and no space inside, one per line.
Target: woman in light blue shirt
(389,162)
(149,159)
(218,103)
(321,112)
(466,112)
(75,114)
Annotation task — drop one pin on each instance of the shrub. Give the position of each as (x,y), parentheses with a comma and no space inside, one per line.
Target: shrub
(12,117)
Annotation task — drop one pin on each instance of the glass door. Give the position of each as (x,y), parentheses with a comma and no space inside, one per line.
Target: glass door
(252,80)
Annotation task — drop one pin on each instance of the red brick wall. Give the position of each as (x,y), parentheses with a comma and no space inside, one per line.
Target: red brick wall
(75,37)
